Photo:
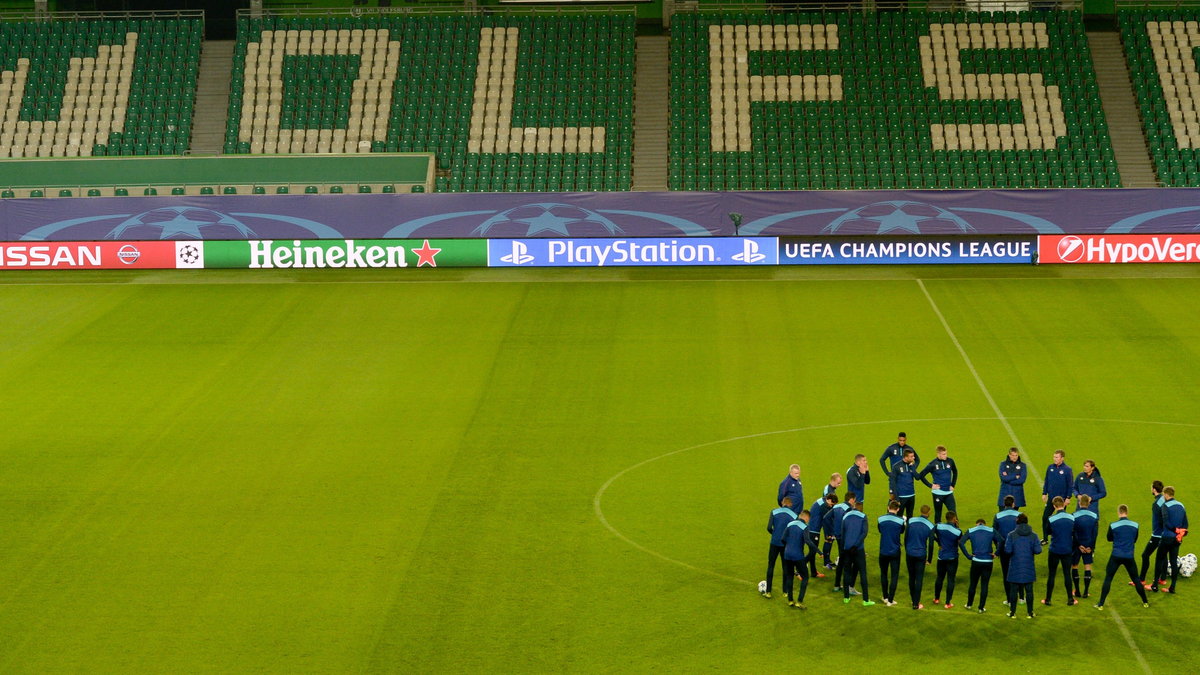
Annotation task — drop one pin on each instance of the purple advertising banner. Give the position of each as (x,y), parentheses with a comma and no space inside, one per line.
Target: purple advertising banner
(604,214)
(367,216)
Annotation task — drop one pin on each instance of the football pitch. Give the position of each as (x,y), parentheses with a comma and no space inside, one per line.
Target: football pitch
(558,470)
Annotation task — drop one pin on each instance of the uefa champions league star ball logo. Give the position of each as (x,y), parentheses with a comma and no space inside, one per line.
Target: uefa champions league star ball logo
(898,217)
(181,222)
(530,220)
(188,254)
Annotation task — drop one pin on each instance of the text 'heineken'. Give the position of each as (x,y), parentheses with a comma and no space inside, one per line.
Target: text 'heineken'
(268,254)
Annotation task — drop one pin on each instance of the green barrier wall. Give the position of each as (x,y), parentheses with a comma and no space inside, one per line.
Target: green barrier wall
(337,254)
(376,168)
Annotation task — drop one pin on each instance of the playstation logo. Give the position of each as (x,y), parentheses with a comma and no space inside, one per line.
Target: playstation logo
(519,256)
(750,253)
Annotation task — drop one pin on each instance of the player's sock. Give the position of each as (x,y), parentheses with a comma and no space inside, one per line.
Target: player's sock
(1075,581)
(1087,582)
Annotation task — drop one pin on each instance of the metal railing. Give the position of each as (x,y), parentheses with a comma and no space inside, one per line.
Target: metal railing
(435,10)
(1156,4)
(680,6)
(48,17)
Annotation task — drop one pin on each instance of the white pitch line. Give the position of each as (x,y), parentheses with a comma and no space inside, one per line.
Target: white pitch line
(483,276)
(1017,443)
(604,488)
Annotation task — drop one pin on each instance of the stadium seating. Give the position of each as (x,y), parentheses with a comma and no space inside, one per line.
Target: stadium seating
(508,103)
(812,100)
(1160,46)
(81,87)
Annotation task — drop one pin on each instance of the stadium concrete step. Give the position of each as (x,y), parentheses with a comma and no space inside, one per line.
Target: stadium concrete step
(1121,111)
(212,97)
(650,114)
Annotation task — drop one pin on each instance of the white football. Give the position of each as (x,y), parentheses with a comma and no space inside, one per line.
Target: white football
(762,585)
(1187,564)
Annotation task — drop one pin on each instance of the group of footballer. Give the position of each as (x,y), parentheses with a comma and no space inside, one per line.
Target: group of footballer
(799,536)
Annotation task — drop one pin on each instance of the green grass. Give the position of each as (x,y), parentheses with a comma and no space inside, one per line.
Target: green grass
(354,471)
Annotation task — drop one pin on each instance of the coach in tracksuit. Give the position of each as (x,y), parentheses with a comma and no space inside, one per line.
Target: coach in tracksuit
(948,538)
(1156,529)
(1013,474)
(944,474)
(1060,480)
(839,512)
(795,538)
(815,521)
(890,526)
(1175,524)
(854,539)
(892,456)
(983,542)
(1087,528)
(1004,523)
(828,518)
(791,487)
(858,477)
(903,481)
(1090,483)
(1022,545)
(779,519)
(1062,531)
(1123,534)
(835,482)
(916,553)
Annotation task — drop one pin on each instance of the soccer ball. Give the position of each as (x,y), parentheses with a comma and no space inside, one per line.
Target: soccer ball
(1187,564)
(762,585)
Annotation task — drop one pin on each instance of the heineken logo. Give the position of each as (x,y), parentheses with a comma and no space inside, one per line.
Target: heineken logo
(345,253)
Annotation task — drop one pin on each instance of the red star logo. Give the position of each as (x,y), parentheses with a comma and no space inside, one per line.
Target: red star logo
(426,254)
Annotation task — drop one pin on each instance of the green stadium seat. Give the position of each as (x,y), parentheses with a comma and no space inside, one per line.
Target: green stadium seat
(1156,42)
(160,85)
(875,123)
(318,112)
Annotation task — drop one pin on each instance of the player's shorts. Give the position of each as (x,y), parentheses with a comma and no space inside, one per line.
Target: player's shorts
(1080,556)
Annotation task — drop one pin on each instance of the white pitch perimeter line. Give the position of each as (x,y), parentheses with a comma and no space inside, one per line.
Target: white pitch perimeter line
(1017,443)
(563,280)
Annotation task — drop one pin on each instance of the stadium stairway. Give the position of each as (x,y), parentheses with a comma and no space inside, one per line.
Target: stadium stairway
(212,96)
(1121,111)
(650,114)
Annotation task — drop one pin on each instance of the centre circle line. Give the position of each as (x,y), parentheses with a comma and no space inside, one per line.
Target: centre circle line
(608,483)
